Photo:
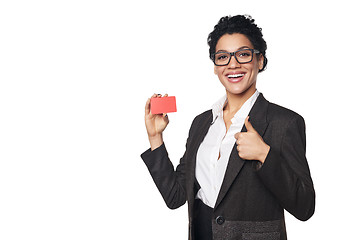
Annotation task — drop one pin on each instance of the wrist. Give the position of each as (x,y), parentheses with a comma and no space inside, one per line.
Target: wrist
(264,153)
(156,141)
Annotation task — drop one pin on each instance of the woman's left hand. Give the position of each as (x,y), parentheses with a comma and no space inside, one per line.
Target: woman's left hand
(250,144)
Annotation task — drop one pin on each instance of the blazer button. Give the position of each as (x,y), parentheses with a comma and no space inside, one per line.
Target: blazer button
(220,220)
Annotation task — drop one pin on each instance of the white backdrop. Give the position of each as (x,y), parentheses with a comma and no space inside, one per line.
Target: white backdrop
(74,78)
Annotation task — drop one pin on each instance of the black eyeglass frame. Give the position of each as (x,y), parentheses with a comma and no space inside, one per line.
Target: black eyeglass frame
(233,54)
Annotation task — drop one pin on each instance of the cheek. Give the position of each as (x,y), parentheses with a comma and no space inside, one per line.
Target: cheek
(219,70)
(253,70)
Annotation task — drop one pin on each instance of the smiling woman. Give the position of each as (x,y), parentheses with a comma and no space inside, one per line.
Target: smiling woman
(237,176)
(238,74)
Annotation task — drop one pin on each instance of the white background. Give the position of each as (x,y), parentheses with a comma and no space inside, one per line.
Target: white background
(74,78)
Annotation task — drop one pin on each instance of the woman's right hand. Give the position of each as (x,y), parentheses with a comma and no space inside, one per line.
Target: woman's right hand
(155,124)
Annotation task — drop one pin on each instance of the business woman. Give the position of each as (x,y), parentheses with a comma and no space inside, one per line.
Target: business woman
(245,158)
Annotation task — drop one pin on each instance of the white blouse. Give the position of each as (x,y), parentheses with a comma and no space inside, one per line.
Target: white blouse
(210,169)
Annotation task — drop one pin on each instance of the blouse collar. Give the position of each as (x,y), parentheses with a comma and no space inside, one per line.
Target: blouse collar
(218,108)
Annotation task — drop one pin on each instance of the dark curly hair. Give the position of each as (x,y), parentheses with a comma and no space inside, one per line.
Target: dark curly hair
(243,24)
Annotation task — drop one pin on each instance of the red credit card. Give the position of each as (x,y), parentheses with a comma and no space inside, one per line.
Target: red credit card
(163,105)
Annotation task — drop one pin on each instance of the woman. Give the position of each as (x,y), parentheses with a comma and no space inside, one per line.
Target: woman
(245,158)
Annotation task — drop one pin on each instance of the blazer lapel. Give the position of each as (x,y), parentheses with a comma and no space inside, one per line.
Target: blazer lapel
(258,115)
(199,136)
(235,164)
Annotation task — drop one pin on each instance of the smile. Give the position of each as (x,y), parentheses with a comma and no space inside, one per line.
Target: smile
(235,75)
(235,78)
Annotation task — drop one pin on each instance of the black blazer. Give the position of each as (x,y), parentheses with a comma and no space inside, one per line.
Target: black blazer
(251,201)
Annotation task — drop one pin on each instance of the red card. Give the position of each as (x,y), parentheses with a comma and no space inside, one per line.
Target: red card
(163,105)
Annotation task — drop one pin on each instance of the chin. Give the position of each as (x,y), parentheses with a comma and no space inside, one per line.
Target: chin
(240,90)
(236,92)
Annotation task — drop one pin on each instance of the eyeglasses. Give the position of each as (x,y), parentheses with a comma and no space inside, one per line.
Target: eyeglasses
(241,56)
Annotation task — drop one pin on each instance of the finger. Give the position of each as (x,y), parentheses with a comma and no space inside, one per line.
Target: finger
(166,117)
(166,95)
(147,107)
(248,125)
(155,95)
(240,138)
(240,151)
(237,135)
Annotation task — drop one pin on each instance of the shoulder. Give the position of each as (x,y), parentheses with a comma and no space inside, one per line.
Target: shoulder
(278,111)
(284,116)
(202,118)
(204,115)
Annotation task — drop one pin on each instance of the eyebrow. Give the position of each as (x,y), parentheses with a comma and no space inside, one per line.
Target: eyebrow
(244,47)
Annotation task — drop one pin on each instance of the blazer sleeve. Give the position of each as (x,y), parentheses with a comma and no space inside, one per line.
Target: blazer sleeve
(170,182)
(286,173)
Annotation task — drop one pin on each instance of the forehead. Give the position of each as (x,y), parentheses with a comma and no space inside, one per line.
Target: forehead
(233,42)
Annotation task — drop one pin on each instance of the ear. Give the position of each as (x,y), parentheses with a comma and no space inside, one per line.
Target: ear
(261,61)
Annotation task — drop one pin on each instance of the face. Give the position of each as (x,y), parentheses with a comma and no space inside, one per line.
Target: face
(238,79)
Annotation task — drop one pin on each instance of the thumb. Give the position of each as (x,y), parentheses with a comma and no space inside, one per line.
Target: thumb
(248,125)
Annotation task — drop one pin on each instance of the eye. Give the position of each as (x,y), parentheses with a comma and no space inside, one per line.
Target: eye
(244,54)
(221,56)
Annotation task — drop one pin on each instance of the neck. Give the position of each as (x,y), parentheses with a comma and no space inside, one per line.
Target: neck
(235,101)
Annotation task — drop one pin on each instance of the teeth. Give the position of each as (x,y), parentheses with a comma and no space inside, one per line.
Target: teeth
(235,75)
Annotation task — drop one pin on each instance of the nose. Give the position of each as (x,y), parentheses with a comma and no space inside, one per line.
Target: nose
(233,62)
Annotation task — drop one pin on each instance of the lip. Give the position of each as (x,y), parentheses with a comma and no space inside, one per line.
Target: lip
(235,79)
